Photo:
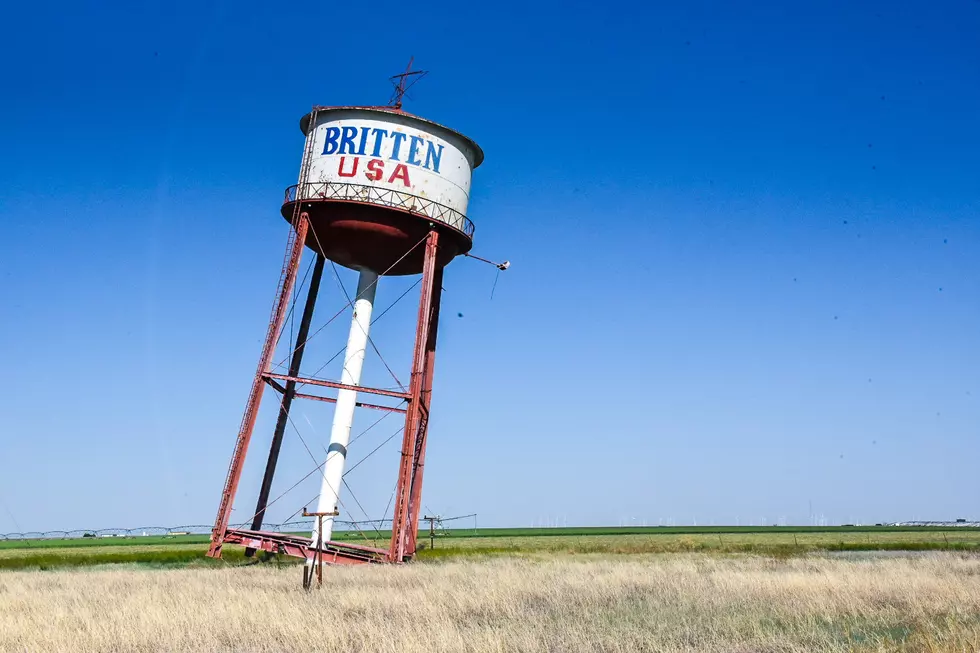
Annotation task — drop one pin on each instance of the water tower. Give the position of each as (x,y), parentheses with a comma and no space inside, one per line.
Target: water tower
(385,193)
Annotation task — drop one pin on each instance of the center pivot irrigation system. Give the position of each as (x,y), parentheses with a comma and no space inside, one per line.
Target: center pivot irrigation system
(385,193)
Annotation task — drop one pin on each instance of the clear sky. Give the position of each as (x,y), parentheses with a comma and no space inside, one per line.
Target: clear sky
(745,243)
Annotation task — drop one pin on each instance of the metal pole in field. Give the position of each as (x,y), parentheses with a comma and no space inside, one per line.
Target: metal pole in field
(432,530)
(314,564)
(319,555)
(343,417)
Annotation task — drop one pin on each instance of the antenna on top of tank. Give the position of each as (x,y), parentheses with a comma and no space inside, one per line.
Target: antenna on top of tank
(403,82)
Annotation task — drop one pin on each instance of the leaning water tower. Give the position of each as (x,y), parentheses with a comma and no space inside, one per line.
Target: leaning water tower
(385,193)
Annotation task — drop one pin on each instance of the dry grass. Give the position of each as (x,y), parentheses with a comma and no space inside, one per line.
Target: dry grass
(560,603)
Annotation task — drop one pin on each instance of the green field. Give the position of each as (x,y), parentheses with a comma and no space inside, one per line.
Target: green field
(188,550)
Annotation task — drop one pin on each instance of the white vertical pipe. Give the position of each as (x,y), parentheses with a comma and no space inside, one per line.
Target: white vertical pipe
(343,417)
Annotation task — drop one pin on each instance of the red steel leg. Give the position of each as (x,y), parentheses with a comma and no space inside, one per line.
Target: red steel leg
(416,416)
(287,282)
(418,465)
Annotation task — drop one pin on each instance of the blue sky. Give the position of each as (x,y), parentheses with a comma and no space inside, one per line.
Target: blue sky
(745,243)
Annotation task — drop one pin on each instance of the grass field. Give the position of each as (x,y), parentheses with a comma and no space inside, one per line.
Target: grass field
(189,550)
(734,590)
(685,603)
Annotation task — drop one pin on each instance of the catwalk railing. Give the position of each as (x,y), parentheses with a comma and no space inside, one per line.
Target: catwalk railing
(363,194)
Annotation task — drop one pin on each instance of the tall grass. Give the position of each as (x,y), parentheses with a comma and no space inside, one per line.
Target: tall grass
(683,603)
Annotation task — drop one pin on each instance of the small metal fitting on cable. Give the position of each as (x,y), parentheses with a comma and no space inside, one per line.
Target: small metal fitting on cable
(499,266)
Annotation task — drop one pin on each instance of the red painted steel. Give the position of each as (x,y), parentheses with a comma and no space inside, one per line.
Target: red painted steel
(339,386)
(401,201)
(416,419)
(275,386)
(302,547)
(403,84)
(367,235)
(408,490)
(287,281)
(359,404)
(426,401)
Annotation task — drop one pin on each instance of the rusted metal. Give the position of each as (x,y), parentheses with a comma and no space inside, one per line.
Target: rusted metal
(287,397)
(408,490)
(339,386)
(317,559)
(425,401)
(404,82)
(432,529)
(275,386)
(297,546)
(374,195)
(299,225)
(416,419)
(359,404)
(286,283)
(500,266)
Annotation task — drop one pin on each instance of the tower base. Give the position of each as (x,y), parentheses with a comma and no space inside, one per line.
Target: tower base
(296,546)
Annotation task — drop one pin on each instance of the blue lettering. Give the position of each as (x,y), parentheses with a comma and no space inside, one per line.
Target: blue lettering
(363,143)
(347,140)
(379,135)
(413,151)
(330,142)
(399,137)
(434,156)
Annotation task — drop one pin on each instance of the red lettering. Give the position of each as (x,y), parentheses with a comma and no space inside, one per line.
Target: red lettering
(353,170)
(401,172)
(375,168)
